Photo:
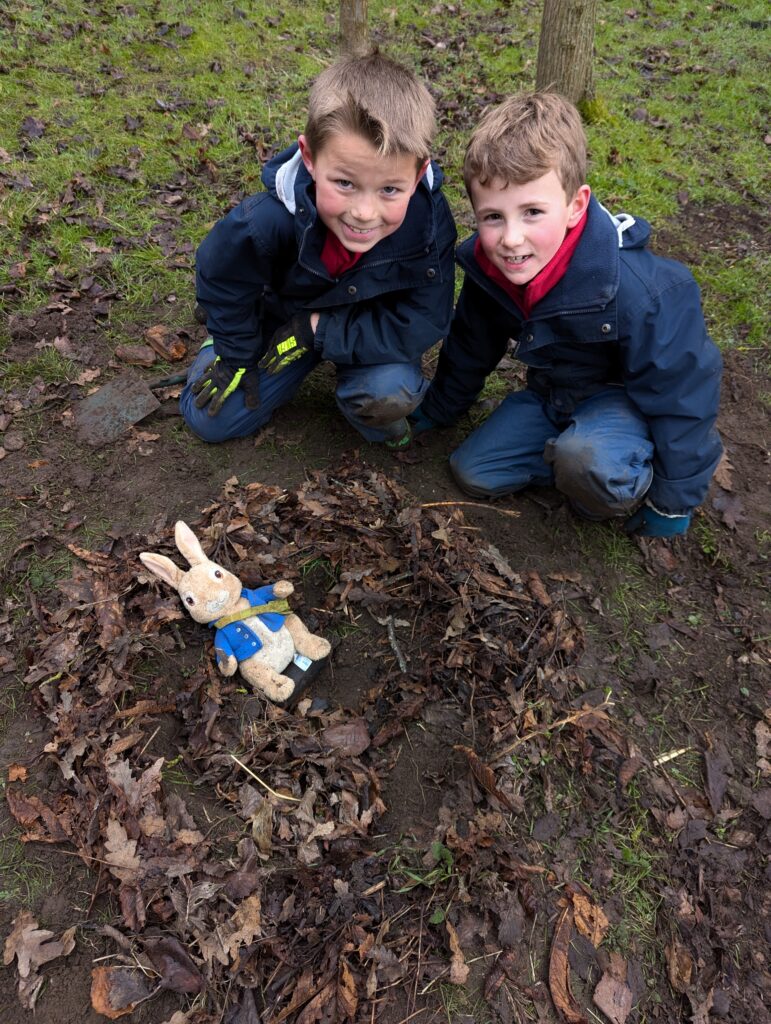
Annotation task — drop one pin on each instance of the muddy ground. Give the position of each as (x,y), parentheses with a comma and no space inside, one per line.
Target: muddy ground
(662,814)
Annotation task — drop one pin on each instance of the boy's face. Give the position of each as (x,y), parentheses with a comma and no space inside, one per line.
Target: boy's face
(360,196)
(521,227)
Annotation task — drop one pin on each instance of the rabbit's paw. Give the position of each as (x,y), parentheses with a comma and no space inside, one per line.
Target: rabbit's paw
(317,647)
(227,665)
(283,588)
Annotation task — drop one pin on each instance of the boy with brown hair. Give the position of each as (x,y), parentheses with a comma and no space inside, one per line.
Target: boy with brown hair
(347,256)
(622,379)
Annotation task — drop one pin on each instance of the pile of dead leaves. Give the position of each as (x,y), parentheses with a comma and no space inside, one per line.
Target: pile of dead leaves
(285,892)
(240,846)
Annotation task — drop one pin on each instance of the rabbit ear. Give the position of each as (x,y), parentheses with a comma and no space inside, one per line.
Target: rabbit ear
(162,567)
(188,545)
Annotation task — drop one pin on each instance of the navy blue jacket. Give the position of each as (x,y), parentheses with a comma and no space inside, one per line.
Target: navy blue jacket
(262,263)
(620,315)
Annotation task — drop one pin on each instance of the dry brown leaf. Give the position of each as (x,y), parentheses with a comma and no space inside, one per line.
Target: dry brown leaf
(347,996)
(485,776)
(614,998)
(116,991)
(459,969)
(262,828)
(350,738)
(246,924)
(120,852)
(679,965)
(17,773)
(723,473)
(559,970)
(589,919)
(33,947)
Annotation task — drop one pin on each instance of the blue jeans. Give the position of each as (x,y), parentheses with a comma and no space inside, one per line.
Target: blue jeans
(374,399)
(599,455)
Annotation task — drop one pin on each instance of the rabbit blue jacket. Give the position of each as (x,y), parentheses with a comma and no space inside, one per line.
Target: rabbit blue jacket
(619,316)
(236,638)
(261,264)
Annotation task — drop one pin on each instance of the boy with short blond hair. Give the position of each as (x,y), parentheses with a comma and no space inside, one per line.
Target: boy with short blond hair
(623,381)
(348,256)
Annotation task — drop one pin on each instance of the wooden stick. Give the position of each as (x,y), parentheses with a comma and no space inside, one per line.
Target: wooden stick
(279,796)
(471,504)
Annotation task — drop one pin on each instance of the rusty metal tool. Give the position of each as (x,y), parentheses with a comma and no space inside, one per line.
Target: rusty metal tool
(108,413)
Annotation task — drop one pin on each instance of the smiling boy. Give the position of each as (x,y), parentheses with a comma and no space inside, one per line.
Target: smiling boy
(622,379)
(347,256)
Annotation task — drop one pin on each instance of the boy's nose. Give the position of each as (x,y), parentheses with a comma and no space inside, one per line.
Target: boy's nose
(513,235)
(363,208)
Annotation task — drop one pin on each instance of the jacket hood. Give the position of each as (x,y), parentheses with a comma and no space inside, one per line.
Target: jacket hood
(285,170)
(632,232)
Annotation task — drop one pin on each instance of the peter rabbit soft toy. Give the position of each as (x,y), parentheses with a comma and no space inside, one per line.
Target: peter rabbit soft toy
(255,630)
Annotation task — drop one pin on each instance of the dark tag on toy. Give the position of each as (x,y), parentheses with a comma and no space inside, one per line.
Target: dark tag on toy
(302,671)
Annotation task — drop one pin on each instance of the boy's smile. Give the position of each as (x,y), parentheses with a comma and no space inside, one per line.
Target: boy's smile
(361,197)
(521,227)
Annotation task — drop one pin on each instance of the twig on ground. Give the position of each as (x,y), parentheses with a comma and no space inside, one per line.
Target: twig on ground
(279,796)
(471,504)
(394,644)
(567,720)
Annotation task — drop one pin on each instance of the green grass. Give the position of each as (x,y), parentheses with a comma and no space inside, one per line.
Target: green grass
(141,108)
(22,881)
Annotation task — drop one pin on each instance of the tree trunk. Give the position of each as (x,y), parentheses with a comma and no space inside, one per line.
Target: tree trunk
(354,33)
(566,49)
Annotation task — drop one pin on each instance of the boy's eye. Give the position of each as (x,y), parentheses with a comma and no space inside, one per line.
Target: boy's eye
(343,183)
(390,190)
(491,217)
(533,211)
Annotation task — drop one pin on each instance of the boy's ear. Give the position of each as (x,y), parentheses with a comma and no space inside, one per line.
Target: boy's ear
(578,205)
(305,153)
(421,171)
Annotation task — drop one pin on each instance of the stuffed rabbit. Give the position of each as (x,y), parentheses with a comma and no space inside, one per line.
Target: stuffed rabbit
(262,644)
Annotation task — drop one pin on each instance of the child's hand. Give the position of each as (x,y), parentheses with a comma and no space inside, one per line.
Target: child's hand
(290,342)
(649,522)
(219,380)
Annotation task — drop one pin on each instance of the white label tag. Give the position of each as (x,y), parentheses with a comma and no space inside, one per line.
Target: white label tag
(302,662)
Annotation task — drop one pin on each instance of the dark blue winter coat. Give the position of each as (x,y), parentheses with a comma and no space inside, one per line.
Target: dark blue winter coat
(262,263)
(620,315)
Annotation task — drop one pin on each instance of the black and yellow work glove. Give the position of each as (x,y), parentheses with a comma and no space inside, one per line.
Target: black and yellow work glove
(218,381)
(290,342)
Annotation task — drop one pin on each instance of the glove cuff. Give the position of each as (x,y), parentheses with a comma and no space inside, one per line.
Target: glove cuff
(301,327)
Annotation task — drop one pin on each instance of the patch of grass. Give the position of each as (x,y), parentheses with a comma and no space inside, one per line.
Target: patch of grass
(708,540)
(49,365)
(411,869)
(22,881)
(164,123)
(636,871)
(321,572)
(40,574)
(458,1003)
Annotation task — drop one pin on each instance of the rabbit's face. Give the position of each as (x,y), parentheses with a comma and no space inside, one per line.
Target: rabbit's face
(208,591)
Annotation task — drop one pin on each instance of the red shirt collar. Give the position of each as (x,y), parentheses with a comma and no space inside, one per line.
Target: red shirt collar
(335,257)
(527,295)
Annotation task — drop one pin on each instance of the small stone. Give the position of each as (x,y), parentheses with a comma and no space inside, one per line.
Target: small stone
(13,441)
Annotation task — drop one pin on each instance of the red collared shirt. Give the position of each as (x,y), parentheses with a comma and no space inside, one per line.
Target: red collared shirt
(527,295)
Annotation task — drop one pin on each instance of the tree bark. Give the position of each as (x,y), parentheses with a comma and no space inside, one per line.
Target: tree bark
(354,32)
(566,49)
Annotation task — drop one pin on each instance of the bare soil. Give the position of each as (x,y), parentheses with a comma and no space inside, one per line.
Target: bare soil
(676,633)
